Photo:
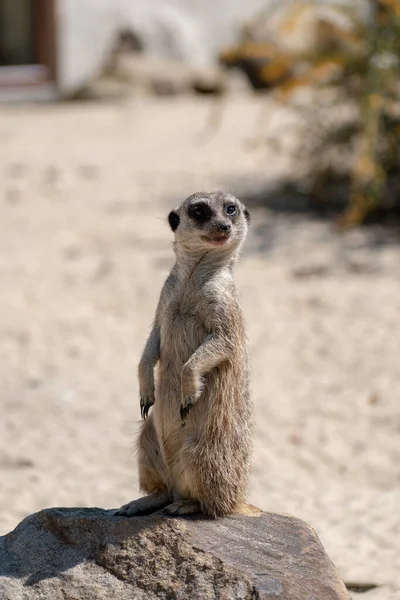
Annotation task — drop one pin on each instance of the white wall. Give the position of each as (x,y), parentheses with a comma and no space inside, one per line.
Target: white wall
(190,29)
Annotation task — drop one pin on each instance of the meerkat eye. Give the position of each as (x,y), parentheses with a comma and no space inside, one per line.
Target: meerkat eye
(200,212)
(197,211)
(231,210)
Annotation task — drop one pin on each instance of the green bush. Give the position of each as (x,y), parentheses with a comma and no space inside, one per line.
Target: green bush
(360,64)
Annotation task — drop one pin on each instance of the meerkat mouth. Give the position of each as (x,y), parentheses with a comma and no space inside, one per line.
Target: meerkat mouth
(217,240)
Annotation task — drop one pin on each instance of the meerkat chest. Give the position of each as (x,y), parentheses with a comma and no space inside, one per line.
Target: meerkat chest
(184,324)
(182,312)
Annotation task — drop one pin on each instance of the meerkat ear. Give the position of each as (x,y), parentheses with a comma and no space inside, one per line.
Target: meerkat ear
(173,220)
(247,215)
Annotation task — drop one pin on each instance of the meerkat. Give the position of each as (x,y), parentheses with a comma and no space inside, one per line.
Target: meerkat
(194,445)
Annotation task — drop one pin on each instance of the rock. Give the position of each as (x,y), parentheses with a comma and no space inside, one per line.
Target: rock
(165,76)
(88,554)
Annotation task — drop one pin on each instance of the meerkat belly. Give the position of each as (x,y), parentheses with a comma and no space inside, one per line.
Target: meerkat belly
(181,335)
(182,332)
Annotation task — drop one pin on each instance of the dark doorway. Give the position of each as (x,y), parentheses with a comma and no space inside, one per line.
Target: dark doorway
(27,41)
(17,33)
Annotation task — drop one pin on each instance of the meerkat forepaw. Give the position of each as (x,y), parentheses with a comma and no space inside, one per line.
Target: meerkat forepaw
(146,392)
(145,404)
(191,390)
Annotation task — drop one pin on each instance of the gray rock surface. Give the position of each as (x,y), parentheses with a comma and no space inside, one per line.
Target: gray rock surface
(87,554)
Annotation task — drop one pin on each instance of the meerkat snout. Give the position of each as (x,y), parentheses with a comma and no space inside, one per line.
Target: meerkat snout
(224,227)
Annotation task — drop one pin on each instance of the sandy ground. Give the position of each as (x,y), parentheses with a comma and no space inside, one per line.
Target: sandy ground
(84,249)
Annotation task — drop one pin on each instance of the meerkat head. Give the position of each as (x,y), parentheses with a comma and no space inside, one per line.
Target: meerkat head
(210,221)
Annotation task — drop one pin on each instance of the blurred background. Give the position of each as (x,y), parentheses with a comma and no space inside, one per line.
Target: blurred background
(112,112)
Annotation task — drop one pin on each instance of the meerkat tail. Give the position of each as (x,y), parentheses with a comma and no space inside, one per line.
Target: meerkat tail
(246,509)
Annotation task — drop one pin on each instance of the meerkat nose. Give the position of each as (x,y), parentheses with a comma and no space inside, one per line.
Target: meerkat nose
(224,227)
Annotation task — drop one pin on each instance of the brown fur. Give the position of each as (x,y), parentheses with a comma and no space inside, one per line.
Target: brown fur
(194,448)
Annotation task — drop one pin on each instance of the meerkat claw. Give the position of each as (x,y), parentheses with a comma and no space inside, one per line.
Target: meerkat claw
(142,405)
(144,408)
(185,411)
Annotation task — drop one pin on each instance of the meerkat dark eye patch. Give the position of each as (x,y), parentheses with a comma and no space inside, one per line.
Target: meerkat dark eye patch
(247,215)
(173,220)
(200,212)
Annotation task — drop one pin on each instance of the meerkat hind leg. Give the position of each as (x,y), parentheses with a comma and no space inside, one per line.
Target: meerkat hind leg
(144,506)
(152,476)
(181,508)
